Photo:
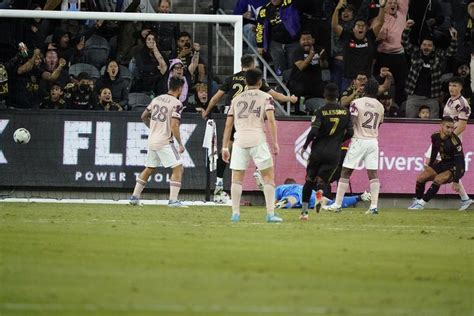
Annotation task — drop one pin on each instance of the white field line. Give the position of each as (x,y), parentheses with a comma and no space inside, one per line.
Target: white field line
(104,201)
(213,309)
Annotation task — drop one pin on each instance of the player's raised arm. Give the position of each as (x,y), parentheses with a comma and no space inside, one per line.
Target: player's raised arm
(213,102)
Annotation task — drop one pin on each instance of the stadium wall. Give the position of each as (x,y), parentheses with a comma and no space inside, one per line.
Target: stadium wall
(78,149)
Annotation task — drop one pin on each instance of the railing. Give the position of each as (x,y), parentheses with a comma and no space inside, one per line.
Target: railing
(266,67)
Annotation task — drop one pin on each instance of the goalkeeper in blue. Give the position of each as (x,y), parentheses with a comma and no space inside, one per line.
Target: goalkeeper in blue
(290,195)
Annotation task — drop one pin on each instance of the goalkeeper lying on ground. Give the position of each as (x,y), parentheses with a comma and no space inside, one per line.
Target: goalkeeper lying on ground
(290,194)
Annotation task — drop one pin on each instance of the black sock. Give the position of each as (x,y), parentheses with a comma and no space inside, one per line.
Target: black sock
(431,192)
(420,190)
(221,164)
(321,185)
(307,190)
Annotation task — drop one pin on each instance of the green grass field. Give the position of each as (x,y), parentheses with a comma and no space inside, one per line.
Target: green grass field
(60,259)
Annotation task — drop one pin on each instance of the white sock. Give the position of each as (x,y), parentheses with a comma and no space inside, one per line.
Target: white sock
(236,195)
(341,190)
(139,186)
(174,190)
(269,192)
(462,192)
(374,192)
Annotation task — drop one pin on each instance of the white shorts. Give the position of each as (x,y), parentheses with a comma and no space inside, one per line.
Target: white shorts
(366,150)
(260,155)
(167,157)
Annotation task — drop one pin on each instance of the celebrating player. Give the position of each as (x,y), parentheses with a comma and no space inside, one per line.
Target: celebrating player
(331,125)
(367,115)
(449,169)
(163,116)
(247,113)
(233,86)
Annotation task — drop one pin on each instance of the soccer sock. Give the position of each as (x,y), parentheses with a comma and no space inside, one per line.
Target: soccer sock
(269,192)
(374,191)
(462,192)
(350,200)
(219,181)
(420,190)
(174,190)
(139,186)
(431,192)
(221,164)
(341,190)
(236,194)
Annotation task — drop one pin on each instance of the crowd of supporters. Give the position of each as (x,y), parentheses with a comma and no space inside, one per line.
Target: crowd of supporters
(411,47)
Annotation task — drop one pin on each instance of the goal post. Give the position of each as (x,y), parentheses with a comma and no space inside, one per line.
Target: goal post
(235,20)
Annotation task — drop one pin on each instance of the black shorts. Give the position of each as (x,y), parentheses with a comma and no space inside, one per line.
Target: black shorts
(444,166)
(323,166)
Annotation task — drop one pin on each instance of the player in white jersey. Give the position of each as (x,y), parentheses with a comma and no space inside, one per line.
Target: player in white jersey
(367,115)
(247,113)
(457,107)
(163,117)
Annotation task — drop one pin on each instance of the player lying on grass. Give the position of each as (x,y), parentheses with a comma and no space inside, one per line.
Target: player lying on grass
(449,169)
(290,195)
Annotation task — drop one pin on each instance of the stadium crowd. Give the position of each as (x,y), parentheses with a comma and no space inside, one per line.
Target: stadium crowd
(411,47)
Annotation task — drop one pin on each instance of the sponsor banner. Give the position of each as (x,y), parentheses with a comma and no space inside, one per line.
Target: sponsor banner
(402,147)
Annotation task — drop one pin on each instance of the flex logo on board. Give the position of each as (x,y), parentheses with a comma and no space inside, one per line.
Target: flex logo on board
(78,136)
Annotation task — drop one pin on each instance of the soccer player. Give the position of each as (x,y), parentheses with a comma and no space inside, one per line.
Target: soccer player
(331,125)
(163,116)
(247,113)
(449,169)
(233,86)
(367,115)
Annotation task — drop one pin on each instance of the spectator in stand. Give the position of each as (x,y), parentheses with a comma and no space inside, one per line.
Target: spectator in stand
(423,85)
(465,27)
(118,86)
(33,31)
(55,99)
(106,102)
(356,89)
(390,51)
(167,32)
(426,14)
(177,69)
(129,37)
(201,100)
(189,54)
(358,45)
(305,78)
(79,94)
(150,67)
(315,17)
(249,10)
(391,109)
(53,70)
(28,74)
(62,43)
(346,19)
(278,28)
(424,112)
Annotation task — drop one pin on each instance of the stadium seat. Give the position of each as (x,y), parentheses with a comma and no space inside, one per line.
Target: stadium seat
(138,101)
(96,51)
(76,69)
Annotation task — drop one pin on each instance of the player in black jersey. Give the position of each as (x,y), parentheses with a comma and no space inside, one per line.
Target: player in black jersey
(449,169)
(331,126)
(233,86)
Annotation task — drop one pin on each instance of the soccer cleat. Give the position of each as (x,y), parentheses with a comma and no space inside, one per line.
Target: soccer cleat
(319,200)
(416,205)
(304,216)
(219,189)
(281,204)
(134,201)
(235,218)
(366,196)
(372,211)
(274,219)
(176,203)
(465,204)
(221,198)
(258,179)
(334,208)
